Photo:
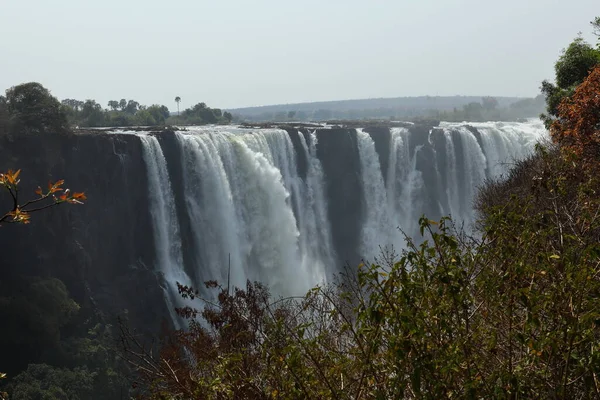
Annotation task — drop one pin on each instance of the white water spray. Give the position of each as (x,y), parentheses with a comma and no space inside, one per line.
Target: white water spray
(253,216)
(167,239)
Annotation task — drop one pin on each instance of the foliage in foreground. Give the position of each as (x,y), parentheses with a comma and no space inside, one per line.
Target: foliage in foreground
(513,315)
(20,212)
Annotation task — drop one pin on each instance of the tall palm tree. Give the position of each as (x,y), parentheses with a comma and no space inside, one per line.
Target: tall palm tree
(177,100)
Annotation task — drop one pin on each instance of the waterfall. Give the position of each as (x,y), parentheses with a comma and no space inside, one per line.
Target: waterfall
(503,143)
(247,202)
(252,215)
(316,244)
(404,183)
(474,167)
(376,228)
(434,180)
(167,238)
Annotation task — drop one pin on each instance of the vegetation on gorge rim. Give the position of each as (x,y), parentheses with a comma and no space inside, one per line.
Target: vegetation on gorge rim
(131,113)
(30,108)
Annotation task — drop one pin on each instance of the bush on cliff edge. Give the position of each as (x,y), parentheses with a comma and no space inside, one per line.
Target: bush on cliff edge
(30,108)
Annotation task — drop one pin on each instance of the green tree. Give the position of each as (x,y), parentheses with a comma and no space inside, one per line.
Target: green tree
(573,66)
(575,63)
(76,105)
(45,382)
(153,115)
(132,107)
(201,114)
(227,116)
(92,114)
(34,315)
(113,105)
(33,109)
(178,100)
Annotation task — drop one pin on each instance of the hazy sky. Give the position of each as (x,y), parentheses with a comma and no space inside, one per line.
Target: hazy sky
(233,53)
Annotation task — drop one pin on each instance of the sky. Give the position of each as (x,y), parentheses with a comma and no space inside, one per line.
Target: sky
(236,53)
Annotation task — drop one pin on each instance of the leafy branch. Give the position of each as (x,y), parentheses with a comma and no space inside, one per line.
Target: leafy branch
(53,196)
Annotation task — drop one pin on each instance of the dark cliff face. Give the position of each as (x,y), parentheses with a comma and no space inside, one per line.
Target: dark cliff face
(295,137)
(338,151)
(381,137)
(103,250)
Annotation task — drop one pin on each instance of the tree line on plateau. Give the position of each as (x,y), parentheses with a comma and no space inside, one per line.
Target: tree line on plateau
(42,108)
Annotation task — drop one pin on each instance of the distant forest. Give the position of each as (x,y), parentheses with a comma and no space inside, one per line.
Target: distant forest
(123,113)
(452,108)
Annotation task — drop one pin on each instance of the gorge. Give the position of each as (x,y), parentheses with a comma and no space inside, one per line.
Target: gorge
(287,207)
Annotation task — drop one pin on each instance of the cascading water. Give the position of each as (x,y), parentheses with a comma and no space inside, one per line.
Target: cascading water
(474,166)
(505,142)
(376,228)
(167,238)
(404,183)
(316,247)
(253,216)
(467,160)
(241,190)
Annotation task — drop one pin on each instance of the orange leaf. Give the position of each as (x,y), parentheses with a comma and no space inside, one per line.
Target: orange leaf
(55,187)
(79,196)
(10,178)
(14,176)
(38,191)
(19,216)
